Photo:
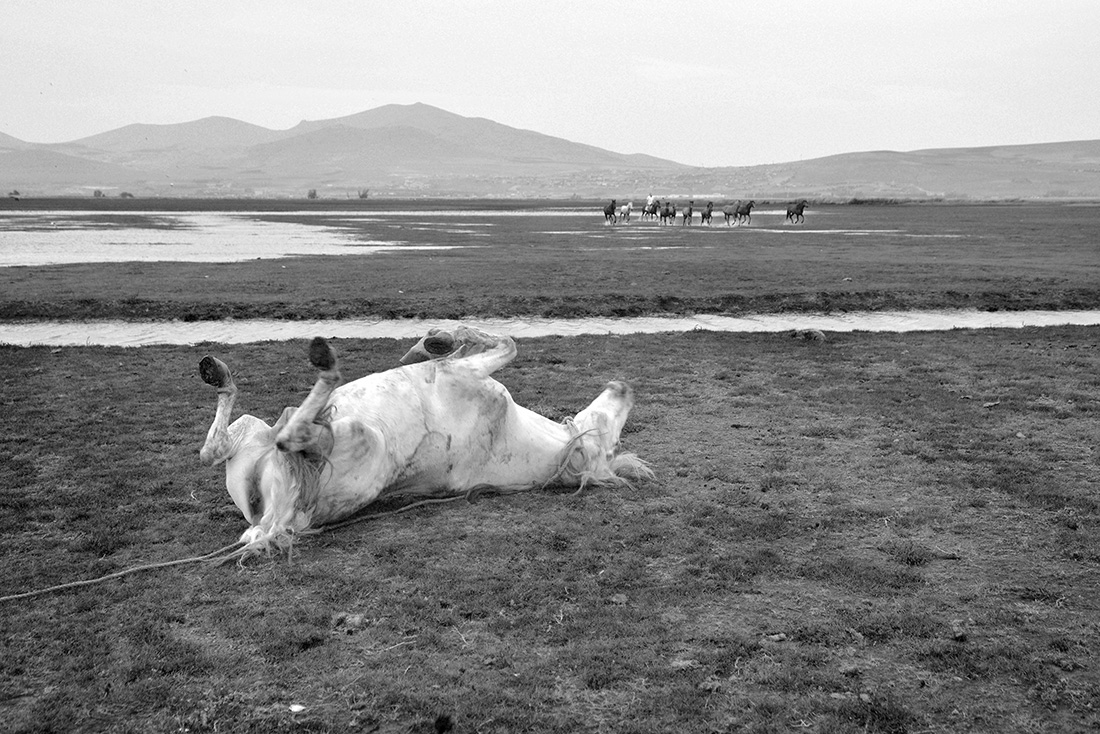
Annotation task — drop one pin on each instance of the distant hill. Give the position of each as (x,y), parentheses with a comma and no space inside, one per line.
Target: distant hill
(37,171)
(410,150)
(1046,170)
(7,141)
(209,133)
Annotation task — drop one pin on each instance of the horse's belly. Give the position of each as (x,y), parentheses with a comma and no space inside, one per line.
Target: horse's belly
(460,434)
(339,502)
(524,451)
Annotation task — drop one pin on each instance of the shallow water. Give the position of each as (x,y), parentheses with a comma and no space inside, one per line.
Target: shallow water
(136,334)
(31,238)
(53,238)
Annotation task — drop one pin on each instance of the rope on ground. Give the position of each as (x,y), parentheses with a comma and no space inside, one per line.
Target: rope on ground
(219,556)
(376,515)
(231,552)
(116,575)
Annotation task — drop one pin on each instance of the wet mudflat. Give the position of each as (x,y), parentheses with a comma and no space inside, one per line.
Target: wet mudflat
(560,260)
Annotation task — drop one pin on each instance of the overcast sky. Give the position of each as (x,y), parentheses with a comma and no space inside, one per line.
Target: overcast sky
(714,83)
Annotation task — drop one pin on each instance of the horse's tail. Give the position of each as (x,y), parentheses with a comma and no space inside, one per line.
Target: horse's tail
(630,467)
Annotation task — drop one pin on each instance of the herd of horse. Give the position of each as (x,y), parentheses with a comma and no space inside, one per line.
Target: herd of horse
(736,214)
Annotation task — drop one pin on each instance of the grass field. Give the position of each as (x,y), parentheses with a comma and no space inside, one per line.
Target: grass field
(874,533)
(884,533)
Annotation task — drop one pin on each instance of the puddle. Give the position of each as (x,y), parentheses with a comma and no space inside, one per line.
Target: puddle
(136,334)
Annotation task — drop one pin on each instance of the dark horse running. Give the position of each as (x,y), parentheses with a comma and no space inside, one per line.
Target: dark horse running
(705,217)
(668,214)
(609,215)
(794,212)
(744,212)
(688,211)
(651,211)
(730,212)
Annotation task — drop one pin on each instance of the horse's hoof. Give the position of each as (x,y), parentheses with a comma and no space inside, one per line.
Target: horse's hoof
(321,355)
(215,372)
(440,343)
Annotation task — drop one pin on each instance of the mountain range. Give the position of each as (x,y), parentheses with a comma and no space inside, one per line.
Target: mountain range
(420,150)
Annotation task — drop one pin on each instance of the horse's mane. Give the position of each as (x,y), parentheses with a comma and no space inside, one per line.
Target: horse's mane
(302,473)
(306,468)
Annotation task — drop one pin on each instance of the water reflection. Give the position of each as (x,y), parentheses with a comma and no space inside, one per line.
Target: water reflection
(134,334)
(52,238)
(35,238)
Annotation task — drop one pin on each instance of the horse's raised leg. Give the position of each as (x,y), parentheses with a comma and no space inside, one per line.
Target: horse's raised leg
(218,446)
(487,362)
(593,455)
(606,415)
(301,432)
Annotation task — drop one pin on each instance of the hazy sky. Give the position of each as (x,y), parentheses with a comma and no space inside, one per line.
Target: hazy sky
(714,83)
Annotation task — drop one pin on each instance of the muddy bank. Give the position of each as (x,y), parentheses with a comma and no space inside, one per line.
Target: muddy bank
(571,306)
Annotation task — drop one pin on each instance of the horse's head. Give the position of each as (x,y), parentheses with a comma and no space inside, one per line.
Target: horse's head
(283,495)
(276,491)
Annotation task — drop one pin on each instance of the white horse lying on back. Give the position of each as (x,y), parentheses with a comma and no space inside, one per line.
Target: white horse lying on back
(440,425)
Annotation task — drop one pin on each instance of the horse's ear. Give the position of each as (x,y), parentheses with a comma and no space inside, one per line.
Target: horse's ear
(288,413)
(439,344)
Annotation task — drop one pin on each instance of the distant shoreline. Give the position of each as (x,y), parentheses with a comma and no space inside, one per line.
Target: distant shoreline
(290,203)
